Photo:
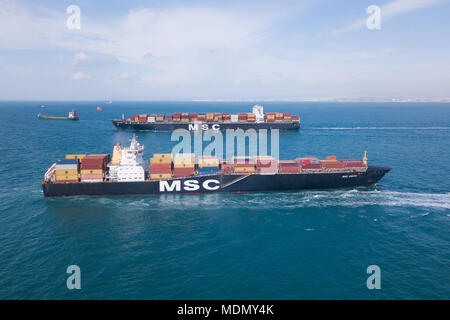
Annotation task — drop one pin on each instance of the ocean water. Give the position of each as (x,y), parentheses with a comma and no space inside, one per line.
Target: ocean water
(283,245)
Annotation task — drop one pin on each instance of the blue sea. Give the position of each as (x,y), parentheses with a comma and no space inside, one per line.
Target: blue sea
(283,245)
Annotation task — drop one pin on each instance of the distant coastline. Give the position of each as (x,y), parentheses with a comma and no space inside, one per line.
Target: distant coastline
(443,100)
(348,100)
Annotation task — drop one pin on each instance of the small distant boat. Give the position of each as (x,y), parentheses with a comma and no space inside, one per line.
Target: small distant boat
(99,109)
(42,106)
(72,116)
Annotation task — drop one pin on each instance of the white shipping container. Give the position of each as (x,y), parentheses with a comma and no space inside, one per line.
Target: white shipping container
(185,155)
(234,118)
(91,180)
(66,167)
(151,119)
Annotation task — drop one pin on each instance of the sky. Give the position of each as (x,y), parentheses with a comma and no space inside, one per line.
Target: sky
(224,50)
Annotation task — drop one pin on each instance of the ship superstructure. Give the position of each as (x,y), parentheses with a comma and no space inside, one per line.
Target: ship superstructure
(127,163)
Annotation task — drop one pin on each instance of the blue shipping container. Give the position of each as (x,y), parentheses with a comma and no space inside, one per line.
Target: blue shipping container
(67,161)
(207,170)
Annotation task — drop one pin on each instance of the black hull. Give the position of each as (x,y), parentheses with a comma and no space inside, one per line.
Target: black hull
(221,183)
(219,126)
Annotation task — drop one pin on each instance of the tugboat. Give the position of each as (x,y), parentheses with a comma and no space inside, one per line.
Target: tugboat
(71,116)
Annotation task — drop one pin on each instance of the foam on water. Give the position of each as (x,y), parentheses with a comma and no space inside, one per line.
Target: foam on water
(379,128)
(280,200)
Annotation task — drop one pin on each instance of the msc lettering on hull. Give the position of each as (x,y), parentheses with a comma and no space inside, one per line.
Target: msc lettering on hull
(204,127)
(188,185)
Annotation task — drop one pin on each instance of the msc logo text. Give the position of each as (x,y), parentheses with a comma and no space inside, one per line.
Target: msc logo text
(204,127)
(188,185)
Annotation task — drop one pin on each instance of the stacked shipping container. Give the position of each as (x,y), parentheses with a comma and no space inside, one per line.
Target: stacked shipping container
(208,165)
(183,165)
(93,167)
(266,165)
(243,164)
(161,166)
(66,170)
(288,166)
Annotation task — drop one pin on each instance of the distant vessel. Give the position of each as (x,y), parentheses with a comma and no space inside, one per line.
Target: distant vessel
(127,173)
(42,106)
(256,119)
(71,116)
(99,109)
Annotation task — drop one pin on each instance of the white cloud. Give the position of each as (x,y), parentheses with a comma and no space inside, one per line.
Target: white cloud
(80,75)
(81,60)
(129,77)
(390,10)
(182,52)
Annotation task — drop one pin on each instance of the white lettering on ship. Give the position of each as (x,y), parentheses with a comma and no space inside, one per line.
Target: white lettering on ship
(188,185)
(204,127)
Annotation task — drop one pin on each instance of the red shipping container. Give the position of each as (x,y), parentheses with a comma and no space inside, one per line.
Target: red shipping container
(93,162)
(177,173)
(289,165)
(166,170)
(305,161)
(312,166)
(244,164)
(226,168)
(96,158)
(354,164)
(334,165)
(161,166)
(266,163)
(289,169)
(97,155)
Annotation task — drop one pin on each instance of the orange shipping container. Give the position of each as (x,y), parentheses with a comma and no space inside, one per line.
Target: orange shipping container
(160,160)
(159,176)
(93,171)
(244,169)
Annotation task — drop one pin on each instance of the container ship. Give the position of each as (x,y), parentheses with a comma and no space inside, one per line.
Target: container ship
(128,173)
(71,116)
(210,121)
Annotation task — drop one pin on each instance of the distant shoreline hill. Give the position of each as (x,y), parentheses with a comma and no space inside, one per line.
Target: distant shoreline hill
(400,100)
(348,100)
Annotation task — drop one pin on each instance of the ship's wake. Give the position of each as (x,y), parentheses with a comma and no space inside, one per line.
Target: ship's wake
(378,128)
(353,198)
